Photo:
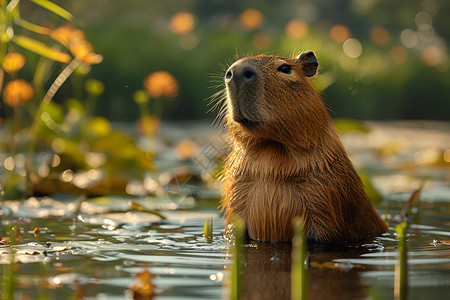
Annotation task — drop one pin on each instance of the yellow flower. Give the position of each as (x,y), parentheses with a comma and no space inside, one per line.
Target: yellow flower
(13,62)
(161,83)
(17,92)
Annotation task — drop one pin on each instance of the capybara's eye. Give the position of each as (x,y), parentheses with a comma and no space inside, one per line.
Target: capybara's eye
(285,69)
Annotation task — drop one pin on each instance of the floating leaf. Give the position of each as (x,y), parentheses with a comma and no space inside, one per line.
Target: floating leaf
(41,49)
(54,8)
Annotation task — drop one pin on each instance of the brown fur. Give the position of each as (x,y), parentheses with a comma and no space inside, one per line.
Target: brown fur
(287,159)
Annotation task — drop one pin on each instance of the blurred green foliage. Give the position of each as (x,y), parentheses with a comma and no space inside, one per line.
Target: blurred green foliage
(378,60)
(404,74)
(49,147)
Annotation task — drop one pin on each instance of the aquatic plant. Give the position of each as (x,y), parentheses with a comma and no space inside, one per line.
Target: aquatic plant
(9,277)
(235,279)
(55,147)
(298,269)
(401,269)
(33,113)
(207,230)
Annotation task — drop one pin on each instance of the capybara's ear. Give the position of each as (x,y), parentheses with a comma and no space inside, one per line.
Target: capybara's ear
(309,63)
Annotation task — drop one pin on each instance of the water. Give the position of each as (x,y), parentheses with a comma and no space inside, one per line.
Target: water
(99,251)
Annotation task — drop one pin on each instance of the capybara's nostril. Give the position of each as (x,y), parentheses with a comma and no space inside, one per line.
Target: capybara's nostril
(249,74)
(241,72)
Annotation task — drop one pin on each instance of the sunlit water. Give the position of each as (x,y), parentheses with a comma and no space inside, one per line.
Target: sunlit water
(97,252)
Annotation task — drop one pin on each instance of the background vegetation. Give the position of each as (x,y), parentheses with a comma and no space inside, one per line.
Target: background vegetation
(379,59)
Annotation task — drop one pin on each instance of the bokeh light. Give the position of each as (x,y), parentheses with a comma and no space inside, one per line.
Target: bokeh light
(251,19)
(296,29)
(352,48)
(161,84)
(189,41)
(446,155)
(182,23)
(339,33)
(9,163)
(148,125)
(262,41)
(186,149)
(380,36)
(409,38)
(423,21)
(399,54)
(431,55)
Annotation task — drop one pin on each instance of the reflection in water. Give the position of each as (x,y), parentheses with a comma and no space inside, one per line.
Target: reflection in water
(268,273)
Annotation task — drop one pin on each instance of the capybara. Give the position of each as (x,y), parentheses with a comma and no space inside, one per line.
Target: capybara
(287,159)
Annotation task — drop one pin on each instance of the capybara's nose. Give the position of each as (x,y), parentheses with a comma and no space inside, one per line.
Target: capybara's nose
(240,73)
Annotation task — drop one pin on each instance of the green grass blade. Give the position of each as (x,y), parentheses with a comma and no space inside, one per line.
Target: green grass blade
(236,266)
(210,234)
(41,49)
(205,229)
(32,27)
(54,8)
(298,269)
(401,269)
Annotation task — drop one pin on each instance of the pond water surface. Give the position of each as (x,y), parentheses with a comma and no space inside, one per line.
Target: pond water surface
(99,250)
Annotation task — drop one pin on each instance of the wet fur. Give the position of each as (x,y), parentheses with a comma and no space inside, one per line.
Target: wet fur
(291,163)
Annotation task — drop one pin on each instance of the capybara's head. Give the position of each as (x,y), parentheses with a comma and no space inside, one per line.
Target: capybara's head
(271,97)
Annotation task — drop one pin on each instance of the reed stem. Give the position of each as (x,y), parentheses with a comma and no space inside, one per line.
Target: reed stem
(401,269)
(298,269)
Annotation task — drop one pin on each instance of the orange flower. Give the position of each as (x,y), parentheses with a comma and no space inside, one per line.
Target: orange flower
(67,33)
(75,41)
(83,51)
(13,62)
(17,92)
(161,83)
